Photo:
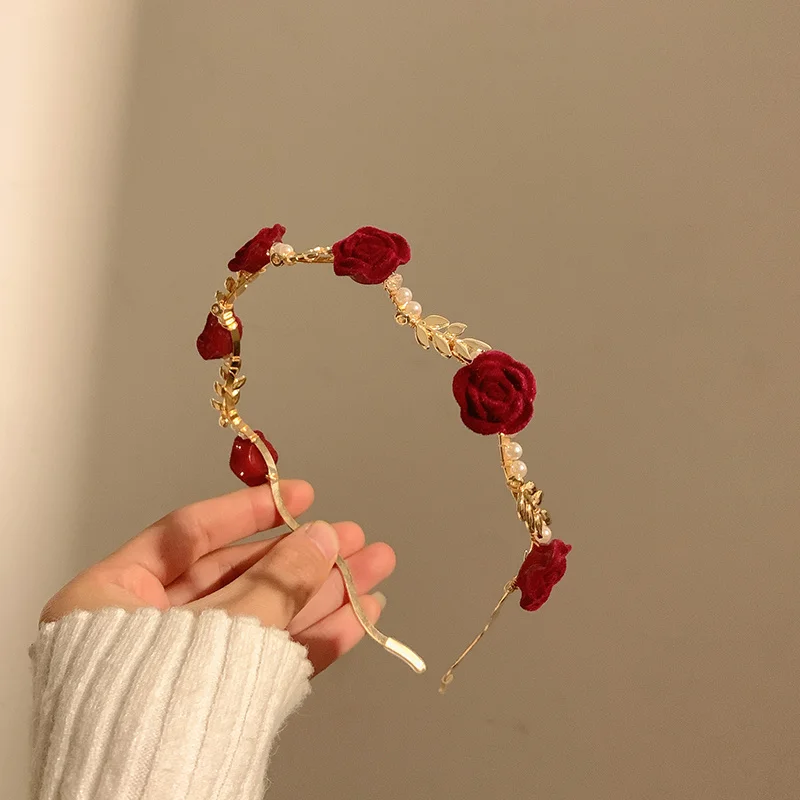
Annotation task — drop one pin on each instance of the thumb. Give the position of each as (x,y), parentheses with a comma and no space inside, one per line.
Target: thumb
(275,588)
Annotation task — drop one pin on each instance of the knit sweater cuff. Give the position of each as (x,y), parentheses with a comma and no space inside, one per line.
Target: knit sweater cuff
(160,704)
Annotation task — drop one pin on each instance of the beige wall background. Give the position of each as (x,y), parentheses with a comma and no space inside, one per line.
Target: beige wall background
(607,191)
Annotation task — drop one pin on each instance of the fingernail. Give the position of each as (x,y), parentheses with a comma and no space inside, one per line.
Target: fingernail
(324,536)
(381,598)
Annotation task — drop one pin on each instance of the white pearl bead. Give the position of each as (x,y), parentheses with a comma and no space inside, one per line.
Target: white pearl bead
(518,469)
(402,297)
(513,451)
(394,281)
(546,535)
(281,250)
(413,309)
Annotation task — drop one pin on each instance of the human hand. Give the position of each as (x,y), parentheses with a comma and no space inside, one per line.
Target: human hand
(188,559)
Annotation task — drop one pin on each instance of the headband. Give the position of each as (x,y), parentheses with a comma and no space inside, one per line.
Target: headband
(495,394)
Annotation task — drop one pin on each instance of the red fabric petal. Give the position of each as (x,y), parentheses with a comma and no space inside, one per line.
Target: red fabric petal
(253,255)
(495,393)
(246,460)
(370,255)
(523,417)
(542,569)
(402,248)
(215,340)
(498,391)
(474,400)
(461,380)
(477,425)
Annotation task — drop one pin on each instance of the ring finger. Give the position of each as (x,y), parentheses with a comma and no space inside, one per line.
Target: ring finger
(369,567)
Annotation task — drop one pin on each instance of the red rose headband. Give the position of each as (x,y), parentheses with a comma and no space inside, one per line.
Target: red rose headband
(495,394)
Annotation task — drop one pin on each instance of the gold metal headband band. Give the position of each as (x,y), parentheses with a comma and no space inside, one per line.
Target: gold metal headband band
(494,391)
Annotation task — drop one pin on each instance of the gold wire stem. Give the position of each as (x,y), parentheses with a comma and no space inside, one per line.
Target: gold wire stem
(529,500)
(435,330)
(393,646)
(230,417)
(316,255)
(447,678)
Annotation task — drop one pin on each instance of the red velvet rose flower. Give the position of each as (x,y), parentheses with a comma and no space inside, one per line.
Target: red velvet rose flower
(254,255)
(216,341)
(247,462)
(495,393)
(370,255)
(543,568)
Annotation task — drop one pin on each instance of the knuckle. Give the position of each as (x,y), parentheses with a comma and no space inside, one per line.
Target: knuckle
(300,562)
(299,568)
(194,535)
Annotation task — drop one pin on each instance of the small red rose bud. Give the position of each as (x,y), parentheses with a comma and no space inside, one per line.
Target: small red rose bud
(542,569)
(254,254)
(216,341)
(247,462)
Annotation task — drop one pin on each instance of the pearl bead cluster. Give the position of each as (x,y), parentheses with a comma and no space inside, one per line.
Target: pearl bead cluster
(402,297)
(512,453)
(281,253)
(516,468)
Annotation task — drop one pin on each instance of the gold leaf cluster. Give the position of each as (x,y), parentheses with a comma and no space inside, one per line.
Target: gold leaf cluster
(227,391)
(529,508)
(445,337)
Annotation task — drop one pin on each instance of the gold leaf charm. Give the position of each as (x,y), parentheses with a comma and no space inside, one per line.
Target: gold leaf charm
(230,284)
(467,349)
(220,297)
(442,344)
(461,351)
(217,404)
(436,322)
(456,328)
(423,336)
(537,497)
(239,382)
(218,387)
(476,346)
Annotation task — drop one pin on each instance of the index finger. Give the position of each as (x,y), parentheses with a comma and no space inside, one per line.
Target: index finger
(170,546)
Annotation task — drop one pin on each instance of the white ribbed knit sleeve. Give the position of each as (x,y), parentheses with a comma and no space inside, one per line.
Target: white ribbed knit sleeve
(160,705)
